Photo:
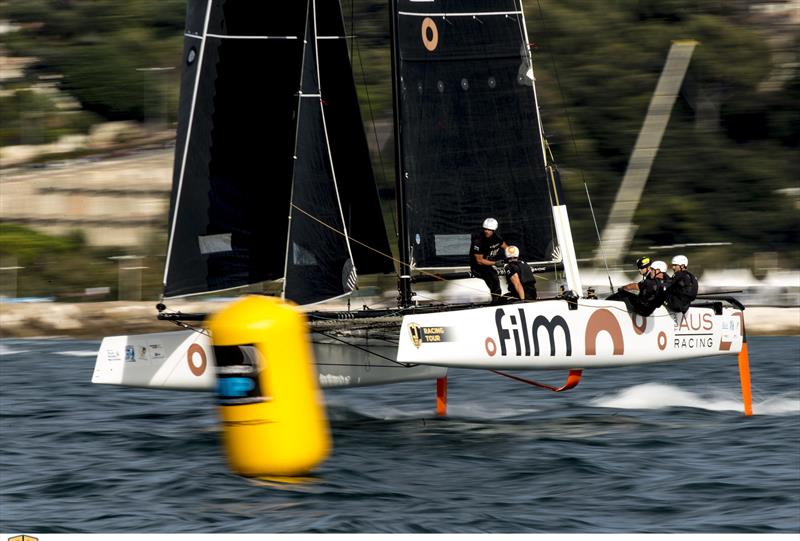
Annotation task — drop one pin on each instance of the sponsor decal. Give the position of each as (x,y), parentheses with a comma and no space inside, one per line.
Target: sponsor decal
(604,320)
(523,335)
(731,327)
(238,381)
(113,355)
(333,380)
(196,359)
(693,341)
(130,354)
(413,329)
(430,34)
(695,321)
(235,386)
(428,335)
(662,340)
(156,351)
(638,327)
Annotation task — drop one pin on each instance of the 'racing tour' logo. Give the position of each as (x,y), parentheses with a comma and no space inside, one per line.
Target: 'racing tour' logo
(523,335)
(428,335)
(413,329)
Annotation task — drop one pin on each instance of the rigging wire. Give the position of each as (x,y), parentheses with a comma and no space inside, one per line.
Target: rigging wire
(552,192)
(602,250)
(610,306)
(357,53)
(404,365)
(575,147)
(368,247)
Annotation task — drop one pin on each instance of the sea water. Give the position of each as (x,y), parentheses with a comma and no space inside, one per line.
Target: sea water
(661,448)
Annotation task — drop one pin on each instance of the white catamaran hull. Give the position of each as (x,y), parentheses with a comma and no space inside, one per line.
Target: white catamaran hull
(547,335)
(184,360)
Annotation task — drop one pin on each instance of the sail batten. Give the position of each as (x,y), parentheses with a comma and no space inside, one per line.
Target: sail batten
(232,36)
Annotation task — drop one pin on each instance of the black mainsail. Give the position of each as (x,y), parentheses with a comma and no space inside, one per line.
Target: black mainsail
(470,140)
(247,68)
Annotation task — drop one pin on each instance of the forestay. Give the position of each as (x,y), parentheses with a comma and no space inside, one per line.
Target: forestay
(253,147)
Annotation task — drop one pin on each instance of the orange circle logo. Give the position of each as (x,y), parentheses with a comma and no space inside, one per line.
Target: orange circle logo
(662,341)
(430,34)
(639,328)
(491,347)
(197,369)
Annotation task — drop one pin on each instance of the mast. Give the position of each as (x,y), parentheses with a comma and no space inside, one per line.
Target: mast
(404,253)
(560,216)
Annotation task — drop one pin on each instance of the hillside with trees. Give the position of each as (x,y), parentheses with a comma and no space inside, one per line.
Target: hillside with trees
(726,172)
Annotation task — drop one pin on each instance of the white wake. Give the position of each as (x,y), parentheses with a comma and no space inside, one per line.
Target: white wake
(659,396)
(79,353)
(5,350)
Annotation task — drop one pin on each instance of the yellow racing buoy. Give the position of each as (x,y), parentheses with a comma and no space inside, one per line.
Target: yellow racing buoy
(272,411)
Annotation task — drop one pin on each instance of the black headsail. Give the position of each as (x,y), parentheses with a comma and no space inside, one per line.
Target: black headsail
(318,263)
(470,140)
(239,130)
(348,144)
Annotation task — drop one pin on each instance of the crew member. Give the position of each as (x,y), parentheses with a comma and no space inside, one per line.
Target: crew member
(683,286)
(643,266)
(484,252)
(643,302)
(519,277)
(663,279)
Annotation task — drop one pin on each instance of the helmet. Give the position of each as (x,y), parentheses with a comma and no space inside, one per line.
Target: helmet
(659,266)
(512,251)
(490,223)
(680,260)
(643,262)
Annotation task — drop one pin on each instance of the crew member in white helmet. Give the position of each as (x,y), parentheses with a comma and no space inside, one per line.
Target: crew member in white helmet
(682,289)
(484,251)
(663,280)
(519,276)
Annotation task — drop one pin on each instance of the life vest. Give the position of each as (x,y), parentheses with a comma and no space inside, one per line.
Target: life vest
(682,291)
(526,278)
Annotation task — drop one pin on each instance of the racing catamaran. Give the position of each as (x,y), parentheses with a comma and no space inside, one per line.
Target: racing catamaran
(273,181)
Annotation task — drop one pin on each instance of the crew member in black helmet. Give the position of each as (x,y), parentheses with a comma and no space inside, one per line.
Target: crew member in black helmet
(643,265)
(519,276)
(643,302)
(484,252)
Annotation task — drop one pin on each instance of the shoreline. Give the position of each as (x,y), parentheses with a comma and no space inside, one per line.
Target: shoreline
(99,319)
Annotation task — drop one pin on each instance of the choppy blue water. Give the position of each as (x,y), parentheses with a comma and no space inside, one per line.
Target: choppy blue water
(654,449)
